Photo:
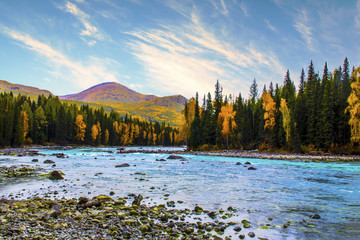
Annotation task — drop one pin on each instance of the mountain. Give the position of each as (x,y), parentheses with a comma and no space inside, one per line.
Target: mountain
(126,101)
(114,96)
(108,92)
(32,92)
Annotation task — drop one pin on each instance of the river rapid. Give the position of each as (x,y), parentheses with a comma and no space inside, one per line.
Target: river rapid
(288,192)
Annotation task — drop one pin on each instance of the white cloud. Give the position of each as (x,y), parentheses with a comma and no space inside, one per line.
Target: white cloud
(82,75)
(225,10)
(357,14)
(302,25)
(220,6)
(244,9)
(190,57)
(90,30)
(270,26)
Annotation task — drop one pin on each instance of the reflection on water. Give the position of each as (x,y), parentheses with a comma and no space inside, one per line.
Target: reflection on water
(285,190)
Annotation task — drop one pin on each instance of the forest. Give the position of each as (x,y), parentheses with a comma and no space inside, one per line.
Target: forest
(322,114)
(48,121)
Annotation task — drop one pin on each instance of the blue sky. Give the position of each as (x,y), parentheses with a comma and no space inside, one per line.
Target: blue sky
(167,47)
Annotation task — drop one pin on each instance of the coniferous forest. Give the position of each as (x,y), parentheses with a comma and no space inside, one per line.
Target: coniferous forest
(321,114)
(50,121)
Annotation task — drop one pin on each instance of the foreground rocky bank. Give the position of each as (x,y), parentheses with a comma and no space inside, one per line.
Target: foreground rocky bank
(123,218)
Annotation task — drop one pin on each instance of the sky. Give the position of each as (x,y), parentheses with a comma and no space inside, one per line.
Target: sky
(168,47)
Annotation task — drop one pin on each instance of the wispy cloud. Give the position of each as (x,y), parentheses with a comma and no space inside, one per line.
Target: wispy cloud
(302,25)
(89,29)
(220,6)
(244,9)
(79,74)
(225,9)
(357,15)
(189,56)
(270,26)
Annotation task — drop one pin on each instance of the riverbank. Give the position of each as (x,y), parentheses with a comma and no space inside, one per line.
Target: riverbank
(314,157)
(123,218)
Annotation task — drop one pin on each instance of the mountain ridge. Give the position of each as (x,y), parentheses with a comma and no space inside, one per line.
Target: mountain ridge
(23,89)
(108,92)
(115,96)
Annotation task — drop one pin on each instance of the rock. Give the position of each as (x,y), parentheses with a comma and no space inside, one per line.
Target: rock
(55,175)
(145,228)
(90,204)
(160,160)
(137,200)
(242,236)
(212,215)
(251,168)
(238,163)
(175,157)
(198,210)
(270,218)
(83,200)
(112,193)
(123,165)
(315,216)
(49,161)
(251,234)
(189,230)
(237,229)
(35,160)
(248,163)
(55,214)
(164,218)
(59,155)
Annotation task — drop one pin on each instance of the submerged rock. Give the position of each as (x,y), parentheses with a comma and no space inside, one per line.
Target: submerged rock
(315,216)
(49,161)
(175,157)
(123,165)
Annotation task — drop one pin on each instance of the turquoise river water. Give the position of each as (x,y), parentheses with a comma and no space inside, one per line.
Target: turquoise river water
(283,190)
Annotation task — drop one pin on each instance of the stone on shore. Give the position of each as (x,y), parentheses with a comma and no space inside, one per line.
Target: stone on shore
(55,175)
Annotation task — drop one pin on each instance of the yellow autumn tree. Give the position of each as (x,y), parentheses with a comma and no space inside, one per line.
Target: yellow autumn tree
(269,106)
(94,132)
(354,107)
(80,127)
(188,115)
(226,119)
(106,137)
(286,118)
(25,123)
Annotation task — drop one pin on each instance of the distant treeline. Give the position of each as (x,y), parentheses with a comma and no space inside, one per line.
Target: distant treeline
(50,121)
(315,117)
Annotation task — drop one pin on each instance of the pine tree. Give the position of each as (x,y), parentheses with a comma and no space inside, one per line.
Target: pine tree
(301,113)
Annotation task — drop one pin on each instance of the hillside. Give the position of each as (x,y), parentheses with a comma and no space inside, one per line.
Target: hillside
(108,92)
(114,96)
(126,101)
(32,92)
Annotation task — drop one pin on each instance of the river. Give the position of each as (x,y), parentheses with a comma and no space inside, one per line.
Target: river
(289,192)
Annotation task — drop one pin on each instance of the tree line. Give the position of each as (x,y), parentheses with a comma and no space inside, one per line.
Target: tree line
(47,120)
(322,114)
